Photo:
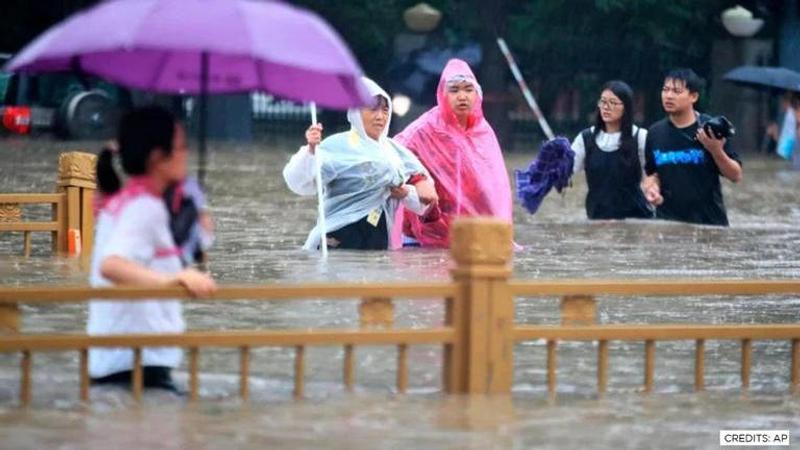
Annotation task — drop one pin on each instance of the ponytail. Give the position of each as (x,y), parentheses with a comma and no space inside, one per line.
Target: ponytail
(140,132)
(107,180)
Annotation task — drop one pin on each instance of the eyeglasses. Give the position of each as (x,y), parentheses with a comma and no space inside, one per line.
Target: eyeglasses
(610,104)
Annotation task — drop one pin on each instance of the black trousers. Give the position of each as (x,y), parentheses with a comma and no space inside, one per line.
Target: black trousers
(153,377)
(362,235)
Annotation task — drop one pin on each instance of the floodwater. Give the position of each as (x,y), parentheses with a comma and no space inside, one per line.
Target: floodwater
(261,226)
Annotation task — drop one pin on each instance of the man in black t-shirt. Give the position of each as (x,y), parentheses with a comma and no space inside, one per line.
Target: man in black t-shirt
(683,163)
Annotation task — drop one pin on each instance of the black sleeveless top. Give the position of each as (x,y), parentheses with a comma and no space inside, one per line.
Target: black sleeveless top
(614,191)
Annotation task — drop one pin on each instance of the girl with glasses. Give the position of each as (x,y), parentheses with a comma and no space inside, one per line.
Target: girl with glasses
(611,153)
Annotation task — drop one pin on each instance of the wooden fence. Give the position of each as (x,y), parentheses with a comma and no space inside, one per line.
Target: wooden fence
(11,218)
(478,334)
(71,206)
(578,313)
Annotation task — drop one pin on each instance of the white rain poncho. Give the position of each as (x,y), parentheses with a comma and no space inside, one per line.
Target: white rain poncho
(357,172)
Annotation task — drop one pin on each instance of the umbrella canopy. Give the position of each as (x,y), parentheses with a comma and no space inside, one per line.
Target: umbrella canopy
(779,78)
(159,46)
(201,47)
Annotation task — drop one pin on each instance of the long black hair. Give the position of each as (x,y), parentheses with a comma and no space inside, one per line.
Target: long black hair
(628,145)
(140,132)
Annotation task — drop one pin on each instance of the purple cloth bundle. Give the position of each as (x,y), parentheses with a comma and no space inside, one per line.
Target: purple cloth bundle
(551,168)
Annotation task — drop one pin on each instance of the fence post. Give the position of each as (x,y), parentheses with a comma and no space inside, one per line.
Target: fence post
(76,177)
(481,360)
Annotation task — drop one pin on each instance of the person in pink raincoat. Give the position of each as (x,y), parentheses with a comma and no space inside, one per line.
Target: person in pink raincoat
(460,150)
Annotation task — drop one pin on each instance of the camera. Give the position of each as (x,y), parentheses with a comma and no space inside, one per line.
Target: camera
(718,127)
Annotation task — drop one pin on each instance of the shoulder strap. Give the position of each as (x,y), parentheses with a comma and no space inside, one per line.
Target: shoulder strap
(588,140)
(702,117)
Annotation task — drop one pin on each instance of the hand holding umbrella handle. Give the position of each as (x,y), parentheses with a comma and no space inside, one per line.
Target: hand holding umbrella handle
(313,136)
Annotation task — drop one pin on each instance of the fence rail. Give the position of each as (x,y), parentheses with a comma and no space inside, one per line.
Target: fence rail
(676,287)
(11,218)
(329,291)
(253,338)
(656,332)
(477,337)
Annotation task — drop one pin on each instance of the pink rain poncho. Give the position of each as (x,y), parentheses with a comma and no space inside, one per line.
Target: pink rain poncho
(466,164)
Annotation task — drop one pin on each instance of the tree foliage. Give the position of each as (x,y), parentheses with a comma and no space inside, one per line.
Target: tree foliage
(370,26)
(23,20)
(584,43)
(558,44)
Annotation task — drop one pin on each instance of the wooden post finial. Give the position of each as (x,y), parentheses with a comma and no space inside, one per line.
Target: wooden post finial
(481,240)
(77,169)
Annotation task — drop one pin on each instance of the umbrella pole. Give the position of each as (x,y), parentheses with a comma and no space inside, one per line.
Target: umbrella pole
(323,242)
(202,120)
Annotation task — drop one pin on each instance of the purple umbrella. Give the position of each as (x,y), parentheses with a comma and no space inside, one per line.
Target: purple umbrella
(203,46)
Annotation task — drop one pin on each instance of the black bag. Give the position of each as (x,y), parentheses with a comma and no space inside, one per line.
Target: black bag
(183,214)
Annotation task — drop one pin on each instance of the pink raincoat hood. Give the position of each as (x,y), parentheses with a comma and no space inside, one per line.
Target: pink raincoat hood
(467,164)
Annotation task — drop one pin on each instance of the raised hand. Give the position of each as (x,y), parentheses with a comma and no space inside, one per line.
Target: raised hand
(314,136)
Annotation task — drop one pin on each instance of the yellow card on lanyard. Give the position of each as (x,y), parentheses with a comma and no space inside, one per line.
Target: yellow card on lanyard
(374,217)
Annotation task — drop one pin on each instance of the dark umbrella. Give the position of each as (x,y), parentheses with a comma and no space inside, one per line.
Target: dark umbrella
(552,168)
(201,47)
(778,78)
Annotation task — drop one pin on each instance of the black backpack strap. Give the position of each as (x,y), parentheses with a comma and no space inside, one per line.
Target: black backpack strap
(182,219)
(588,140)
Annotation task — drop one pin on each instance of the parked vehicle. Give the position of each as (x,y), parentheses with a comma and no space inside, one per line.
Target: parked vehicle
(70,105)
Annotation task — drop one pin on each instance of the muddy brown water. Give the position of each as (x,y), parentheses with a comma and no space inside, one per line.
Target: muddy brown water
(261,227)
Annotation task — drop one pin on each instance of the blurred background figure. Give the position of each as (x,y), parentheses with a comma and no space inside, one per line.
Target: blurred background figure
(134,246)
(780,136)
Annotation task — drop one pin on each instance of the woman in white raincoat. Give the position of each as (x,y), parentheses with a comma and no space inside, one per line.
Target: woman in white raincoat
(365,176)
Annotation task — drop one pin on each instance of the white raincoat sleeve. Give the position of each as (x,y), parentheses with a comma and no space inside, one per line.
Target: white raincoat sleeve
(412,202)
(299,172)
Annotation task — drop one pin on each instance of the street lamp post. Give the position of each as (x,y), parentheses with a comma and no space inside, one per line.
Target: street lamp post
(740,22)
(743,106)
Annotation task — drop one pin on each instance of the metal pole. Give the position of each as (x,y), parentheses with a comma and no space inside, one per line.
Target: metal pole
(523,86)
(202,120)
